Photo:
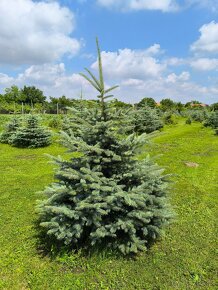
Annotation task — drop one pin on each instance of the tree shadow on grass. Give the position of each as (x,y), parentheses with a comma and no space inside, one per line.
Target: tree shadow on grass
(51,248)
(70,255)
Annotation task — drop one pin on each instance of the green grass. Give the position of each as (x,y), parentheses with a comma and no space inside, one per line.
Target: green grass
(184,259)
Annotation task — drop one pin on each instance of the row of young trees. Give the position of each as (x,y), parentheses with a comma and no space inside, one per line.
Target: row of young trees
(137,120)
(29,98)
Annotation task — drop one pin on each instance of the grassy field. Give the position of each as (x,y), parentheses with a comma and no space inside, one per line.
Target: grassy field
(184,259)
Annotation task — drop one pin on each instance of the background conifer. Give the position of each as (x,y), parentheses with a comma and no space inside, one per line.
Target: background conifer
(146,120)
(10,129)
(32,135)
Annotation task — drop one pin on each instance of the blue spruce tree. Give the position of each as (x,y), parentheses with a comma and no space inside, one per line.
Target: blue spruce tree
(32,135)
(10,129)
(105,196)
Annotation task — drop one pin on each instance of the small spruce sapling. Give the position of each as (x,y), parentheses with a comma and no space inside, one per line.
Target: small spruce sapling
(199,115)
(212,120)
(32,135)
(146,120)
(10,129)
(104,195)
(55,122)
(168,118)
(188,121)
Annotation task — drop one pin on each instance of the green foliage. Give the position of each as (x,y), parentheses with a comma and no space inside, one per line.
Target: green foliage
(16,100)
(198,115)
(12,94)
(32,95)
(59,105)
(167,104)
(147,102)
(55,122)
(191,103)
(179,107)
(146,120)
(212,120)
(104,196)
(73,121)
(67,125)
(119,104)
(10,129)
(3,120)
(168,118)
(32,135)
(188,121)
(27,95)
(214,107)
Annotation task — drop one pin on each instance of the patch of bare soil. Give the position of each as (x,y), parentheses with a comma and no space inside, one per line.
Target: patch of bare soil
(191,164)
(30,156)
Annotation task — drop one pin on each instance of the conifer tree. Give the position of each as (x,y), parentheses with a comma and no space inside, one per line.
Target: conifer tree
(188,121)
(32,135)
(212,120)
(199,115)
(105,195)
(146,120)
(10,129)
(72,123)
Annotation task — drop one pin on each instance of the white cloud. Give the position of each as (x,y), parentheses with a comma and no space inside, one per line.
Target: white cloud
(173,78)
(208,41)
(133,83)
(127,63)
(197,63)
(161,5)
(178,90)
(5,79)
(175,61)
(205,64)
(153,50)
(35,32)
(208,4)
(135,5)
(140,74)
(45,74)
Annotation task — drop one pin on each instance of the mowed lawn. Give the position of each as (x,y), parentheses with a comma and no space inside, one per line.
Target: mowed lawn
(184,259)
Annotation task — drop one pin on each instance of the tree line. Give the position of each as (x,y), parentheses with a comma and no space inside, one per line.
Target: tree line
(16,100)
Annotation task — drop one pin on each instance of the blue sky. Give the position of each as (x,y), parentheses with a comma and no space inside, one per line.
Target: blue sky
(158,48)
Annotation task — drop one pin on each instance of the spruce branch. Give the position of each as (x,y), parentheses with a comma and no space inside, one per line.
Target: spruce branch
(99,84)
